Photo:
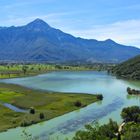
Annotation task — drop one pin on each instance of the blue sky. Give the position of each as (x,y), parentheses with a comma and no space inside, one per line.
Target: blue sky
(96,19)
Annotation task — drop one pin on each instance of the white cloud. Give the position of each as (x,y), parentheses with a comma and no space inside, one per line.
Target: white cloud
(51,18)
(125,32)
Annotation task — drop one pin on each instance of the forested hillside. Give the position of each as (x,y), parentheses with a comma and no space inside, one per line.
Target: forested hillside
(129,69)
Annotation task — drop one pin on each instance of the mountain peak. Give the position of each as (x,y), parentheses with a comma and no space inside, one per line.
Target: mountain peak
(38,23)
(38,20)
(109,40)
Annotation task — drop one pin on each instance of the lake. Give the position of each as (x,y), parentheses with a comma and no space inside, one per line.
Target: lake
(113,90)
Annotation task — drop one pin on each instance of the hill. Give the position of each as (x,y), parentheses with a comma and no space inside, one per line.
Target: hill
(39,42)
(129,69)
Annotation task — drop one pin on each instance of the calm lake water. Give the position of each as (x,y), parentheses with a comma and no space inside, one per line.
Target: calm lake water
(113,90)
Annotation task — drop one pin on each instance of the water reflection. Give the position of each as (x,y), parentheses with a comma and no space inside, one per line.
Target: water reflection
(76,123)
(136,97)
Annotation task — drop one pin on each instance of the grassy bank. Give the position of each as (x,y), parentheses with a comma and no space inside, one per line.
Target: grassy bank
(49,104)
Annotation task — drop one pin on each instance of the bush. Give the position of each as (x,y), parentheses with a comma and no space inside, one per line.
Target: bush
(133,91)
(129,90)
(41,116)
(78,104)
(32,110)
(100,97)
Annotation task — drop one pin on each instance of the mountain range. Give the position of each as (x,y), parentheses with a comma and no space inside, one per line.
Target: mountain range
(39,42)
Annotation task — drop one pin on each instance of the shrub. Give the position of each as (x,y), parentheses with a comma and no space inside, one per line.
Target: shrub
(133,91)
(129,90)
(131,114)
(78,104)
(32,110)
(41,116)
(100,97)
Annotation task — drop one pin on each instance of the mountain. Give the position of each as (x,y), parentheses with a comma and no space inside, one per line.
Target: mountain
(129,69)
(39,42)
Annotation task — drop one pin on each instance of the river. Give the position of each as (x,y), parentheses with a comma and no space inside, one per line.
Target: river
(65,126)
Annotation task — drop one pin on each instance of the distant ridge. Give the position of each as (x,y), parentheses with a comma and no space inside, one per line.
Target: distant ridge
(39,42)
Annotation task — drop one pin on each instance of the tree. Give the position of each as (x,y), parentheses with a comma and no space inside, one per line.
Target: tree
(78,104)
(129,90)
(131,114)
(41,116)
(100,97)
(32,110)
(96,132)
(24,69)
(130,131)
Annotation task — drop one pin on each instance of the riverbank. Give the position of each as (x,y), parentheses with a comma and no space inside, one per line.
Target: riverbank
(50,104)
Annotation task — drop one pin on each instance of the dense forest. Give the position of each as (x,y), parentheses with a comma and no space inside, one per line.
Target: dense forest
(129,69)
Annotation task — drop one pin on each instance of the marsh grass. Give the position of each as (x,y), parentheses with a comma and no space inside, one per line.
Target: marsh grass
(51,104)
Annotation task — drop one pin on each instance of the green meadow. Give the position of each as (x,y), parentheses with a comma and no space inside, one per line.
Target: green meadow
(50,104)
(24,70)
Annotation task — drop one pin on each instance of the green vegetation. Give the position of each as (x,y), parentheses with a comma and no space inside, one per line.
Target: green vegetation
(100,96)
(96,132)
(22,70)
(78,104)
(131,114)
(41,116)
(131,131)
(42,105)
(129,69)
(32,110)
(128,130)
(133,91)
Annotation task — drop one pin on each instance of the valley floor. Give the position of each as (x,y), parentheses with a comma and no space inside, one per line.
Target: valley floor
(25,70)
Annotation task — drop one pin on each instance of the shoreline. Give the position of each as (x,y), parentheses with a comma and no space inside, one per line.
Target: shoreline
(17,71)
(49,71)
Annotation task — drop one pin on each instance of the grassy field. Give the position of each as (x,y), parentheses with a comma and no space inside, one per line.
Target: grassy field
(49,103)
(20,70)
